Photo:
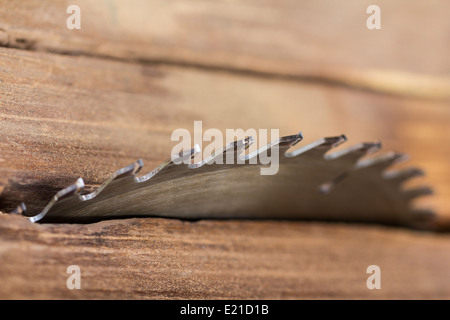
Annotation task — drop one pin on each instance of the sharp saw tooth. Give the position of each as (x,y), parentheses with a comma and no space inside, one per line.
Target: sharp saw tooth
(318,148)
(186,155)
(398,177)
(68,193)
(180,158)
(417,192)
(381,163)
(355,152)
(189,154)
(20,210)
(130,170)
(423,213)
(347,158)
(126,172)
(211,190)
(230,154)
(283,144)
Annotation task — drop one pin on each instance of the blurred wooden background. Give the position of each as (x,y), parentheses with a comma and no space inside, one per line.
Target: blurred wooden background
(83,103)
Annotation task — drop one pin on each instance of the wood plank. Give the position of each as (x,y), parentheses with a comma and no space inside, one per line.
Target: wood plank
(170,259)
(322,40)
(85,103)
(68,117)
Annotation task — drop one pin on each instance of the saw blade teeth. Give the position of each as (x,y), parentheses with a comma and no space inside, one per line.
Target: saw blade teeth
(398,177)
(230,154)
(74,189)
(355,152)
(234,152)
(289,141)
(182,157)
(187,154)
(333,142)
(124,191)
(126,172)
(423,213)
(417,192)
(318,148)
(283,144)
(20,210)
(66,193)
(381,162)
(130,170)
(347,159)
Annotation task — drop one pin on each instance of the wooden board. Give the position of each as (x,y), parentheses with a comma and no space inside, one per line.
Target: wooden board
(169,259)
(250,65)
(322,40)
(69,117)
(87,102)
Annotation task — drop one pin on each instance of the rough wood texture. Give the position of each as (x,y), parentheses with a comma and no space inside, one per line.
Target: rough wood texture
(70,117)
(63,114)
(316,40)
(157,258)
(85,103)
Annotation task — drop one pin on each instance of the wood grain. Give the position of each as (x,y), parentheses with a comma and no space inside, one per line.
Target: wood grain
(68,117)
(85,103)
(322,40)
(170,259)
